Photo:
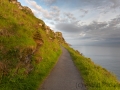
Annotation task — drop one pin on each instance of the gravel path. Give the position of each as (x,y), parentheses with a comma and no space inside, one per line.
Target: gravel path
(64,76)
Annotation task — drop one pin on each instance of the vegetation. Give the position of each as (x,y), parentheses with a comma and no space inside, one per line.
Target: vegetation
(94,76)
(29,50)
(27,53)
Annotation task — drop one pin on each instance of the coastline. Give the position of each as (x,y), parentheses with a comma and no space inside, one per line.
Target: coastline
(105,56)
(94,76)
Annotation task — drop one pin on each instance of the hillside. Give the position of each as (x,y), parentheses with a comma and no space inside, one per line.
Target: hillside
(29,50)
(28,47)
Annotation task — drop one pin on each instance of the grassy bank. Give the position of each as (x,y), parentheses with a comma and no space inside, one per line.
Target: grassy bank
(28,49)
(34,79)
(94,76)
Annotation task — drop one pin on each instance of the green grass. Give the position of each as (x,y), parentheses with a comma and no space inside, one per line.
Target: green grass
(36,77)
(21,69)
(18,31)
(95,77)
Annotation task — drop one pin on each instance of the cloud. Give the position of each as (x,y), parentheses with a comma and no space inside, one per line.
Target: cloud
(52,23)
(84,12)
(61,12)
(55,8)
(66,22)
(100,3)
(115,3)
(60,20)
(104,32)
(38,9)
(68,27)
(55,11)
(82,34)
(70,16)
(49,1)
(34,4)
(89,20)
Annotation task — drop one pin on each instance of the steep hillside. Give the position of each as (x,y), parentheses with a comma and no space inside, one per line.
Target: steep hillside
(28,48)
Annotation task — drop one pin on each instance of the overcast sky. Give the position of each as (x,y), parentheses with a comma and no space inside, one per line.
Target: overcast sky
(82,22)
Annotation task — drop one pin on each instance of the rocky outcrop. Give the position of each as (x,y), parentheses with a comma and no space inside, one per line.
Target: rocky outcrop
(40,25)
(13,1)
(25,8)
(54,35)
(59,37)
(19,5)
(47,29)
(58,34)
(38,39)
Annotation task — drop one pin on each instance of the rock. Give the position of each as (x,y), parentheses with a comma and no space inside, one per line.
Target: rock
(40,24)
(60,38)
(28,10)
(47,29)
(19,5)
(39,42)
(13,1)
(29,68)
(50,38)
(38,39)
(58,34)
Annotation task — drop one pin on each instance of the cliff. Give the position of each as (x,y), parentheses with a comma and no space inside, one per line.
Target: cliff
(28,47)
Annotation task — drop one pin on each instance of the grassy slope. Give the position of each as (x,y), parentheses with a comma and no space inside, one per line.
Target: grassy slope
(94,76)
(17,31)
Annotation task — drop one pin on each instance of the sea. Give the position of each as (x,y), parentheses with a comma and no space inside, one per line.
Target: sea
(106,56)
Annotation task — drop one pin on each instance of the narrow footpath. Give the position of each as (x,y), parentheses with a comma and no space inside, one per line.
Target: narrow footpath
(64,75)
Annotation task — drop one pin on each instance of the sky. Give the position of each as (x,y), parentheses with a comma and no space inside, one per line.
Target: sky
(82,22)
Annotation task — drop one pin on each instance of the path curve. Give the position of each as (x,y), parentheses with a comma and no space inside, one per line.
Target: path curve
(64,76)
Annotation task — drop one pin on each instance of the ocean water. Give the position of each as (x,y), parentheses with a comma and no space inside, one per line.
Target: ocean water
(106,56)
